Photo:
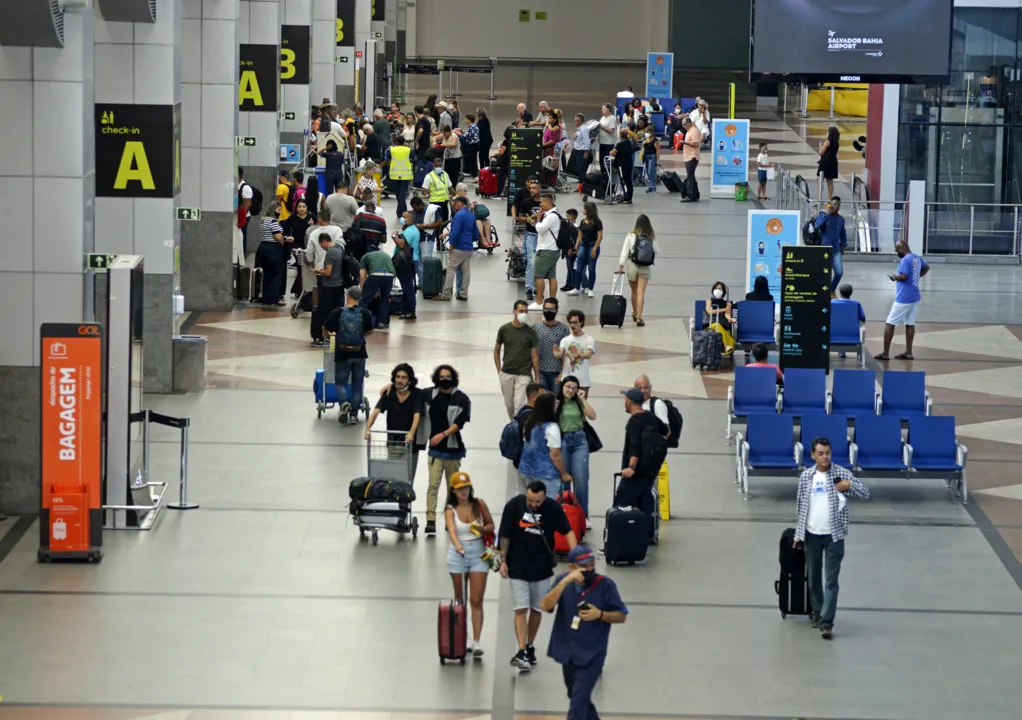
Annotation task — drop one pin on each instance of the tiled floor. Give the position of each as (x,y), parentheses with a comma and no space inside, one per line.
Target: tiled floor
(264,604)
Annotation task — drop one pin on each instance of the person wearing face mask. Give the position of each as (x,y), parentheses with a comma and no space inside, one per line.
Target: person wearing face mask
(405,260)
(445,412)
(269,257)
(719,314)
(520,364)
(398,167)
(527,527)
(549,333)
(650,157)
(439,186)
(401,403)
(585,604)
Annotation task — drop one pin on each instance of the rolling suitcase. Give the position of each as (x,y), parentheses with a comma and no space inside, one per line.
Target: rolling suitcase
(614,307)
(651,507)
(432,277)
(672,181)
(488,183)
(690,189)
(793,587)
(625,536)
(707,349)
(452,628)
(576,518)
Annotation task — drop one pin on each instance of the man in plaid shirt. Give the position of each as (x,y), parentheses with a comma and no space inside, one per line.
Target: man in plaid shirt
(822,525)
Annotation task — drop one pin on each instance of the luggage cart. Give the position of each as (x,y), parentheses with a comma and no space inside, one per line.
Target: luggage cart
(326,391)
(516,253)
(391,457)
(308,282)
(613,194)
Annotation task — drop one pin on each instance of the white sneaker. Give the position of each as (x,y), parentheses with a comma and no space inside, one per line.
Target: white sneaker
(590,294)
(477,649)
(574,292)
(535,307)
(589,524)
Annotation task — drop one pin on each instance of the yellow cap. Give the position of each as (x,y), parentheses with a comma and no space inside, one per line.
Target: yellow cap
(460,480)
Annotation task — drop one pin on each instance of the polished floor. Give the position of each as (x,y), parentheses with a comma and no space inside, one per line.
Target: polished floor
(264,604)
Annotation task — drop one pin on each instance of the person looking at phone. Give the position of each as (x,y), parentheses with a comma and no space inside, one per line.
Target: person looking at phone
(822,526)
(527,528)
(586,605)
(831,225)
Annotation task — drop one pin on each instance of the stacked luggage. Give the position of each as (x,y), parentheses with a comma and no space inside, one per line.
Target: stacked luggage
(382,504)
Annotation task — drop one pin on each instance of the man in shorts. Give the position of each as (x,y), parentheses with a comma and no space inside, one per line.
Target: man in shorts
(527,529)
(548,224)
(906,300)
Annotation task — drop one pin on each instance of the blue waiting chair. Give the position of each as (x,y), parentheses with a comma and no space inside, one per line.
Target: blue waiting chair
(754,393)
(832,427)
(904,395)
(854,393)
(878,448)
(805,391)
(767,447)
(846,333)
(755,324)
(937,453)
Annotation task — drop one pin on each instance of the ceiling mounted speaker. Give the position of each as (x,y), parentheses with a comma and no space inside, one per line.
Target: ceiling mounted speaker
(37,23)
(139,11)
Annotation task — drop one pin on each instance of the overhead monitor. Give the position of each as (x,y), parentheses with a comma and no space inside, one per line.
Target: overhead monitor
(869,41)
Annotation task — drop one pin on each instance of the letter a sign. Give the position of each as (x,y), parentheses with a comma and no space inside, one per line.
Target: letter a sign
(135,151)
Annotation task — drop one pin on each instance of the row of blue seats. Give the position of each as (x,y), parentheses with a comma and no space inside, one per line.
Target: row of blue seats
(755,392)
(755,324)
(931,450)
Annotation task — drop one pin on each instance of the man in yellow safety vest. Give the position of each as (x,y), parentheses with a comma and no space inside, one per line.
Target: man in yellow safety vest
(438,185)
(398,163)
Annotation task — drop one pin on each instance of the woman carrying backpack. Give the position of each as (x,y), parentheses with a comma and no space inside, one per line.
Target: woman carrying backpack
(636,262)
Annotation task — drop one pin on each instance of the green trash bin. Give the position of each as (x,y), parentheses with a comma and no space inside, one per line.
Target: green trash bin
(741,191)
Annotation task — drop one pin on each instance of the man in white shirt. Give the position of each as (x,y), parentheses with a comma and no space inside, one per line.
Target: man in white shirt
(651,404)
(541,115)
(627,93)
(576,349)
(548,224)
(700,117)
(822,526)
(244,215)
(608,132)
(314,252)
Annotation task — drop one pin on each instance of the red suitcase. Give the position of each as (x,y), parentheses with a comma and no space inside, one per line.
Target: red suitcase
(576,518)
(488,183)
(452,628)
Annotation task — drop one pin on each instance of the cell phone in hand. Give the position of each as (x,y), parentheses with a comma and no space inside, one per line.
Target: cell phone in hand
(583,605)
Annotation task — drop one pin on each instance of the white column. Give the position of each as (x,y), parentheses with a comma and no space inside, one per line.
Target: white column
(47,179)
(138,89)
(296,64)
(324,42)
(363,30)
(260,26)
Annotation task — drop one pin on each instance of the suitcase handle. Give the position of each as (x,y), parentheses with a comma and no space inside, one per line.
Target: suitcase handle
(617,285)
(777,586)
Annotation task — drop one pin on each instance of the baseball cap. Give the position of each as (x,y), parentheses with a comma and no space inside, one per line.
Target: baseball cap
(460,480)
(635,395)
(581,555)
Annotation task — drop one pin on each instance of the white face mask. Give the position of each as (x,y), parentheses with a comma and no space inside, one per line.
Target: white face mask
(649,135)
(718,293)
(522,317)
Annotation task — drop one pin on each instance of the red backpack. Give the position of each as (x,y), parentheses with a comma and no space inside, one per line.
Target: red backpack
(576,518)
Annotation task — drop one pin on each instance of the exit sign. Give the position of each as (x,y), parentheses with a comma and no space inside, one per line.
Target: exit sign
(245,141)
(99,261)
(189,214)
(286,115)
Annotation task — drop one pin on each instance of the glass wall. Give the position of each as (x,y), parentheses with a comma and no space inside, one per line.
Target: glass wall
(965,139)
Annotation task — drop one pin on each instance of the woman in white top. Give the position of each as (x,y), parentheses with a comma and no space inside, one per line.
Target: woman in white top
(367,181)
(638,275)
(468,520)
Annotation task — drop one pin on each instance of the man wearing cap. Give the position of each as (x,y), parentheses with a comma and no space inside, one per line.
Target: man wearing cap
(462,237)
(351,324)
(527,528)
(586,605)
(446,121)
(636,488)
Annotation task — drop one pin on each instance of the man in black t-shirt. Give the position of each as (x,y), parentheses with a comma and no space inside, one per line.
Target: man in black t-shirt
(527,530)
(527,205)
(636,488)
(423,136)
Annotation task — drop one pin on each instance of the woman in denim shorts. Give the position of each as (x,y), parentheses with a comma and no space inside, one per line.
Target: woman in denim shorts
(468,520)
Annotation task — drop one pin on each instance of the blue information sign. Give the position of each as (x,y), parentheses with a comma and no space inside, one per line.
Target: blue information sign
(659,75)
(769,232)
(730,156)
(290,153)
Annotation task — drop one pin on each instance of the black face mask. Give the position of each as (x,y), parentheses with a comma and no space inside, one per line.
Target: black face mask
(445,383)
(549,314)
(588,576)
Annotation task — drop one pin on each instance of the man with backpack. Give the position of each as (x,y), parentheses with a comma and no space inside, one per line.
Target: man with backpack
(663,410)
(250,205)
(350,325)
(548,252)
(644,452)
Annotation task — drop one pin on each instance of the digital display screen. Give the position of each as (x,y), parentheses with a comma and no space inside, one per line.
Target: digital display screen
(890,41)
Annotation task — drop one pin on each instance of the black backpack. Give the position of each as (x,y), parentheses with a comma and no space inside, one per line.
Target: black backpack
(256,208)
(566,235)
(652,448)
(354,243)
(811,233)
(674,420)
(643,253)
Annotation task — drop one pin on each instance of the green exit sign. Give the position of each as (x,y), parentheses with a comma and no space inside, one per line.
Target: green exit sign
(99,261)
(283,115)
(245,141)
(189,214)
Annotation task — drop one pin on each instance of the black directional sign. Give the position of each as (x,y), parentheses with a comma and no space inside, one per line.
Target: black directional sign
(526,158)
(805,307)
(345,31)
(295,54)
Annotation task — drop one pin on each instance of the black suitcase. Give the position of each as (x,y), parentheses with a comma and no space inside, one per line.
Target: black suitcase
(792,588)
(707,349)
(672,181)
(651,508)
(614,307)
(432,277)
(625,536)
(593,190)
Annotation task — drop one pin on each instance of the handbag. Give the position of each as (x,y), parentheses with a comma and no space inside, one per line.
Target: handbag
(592,439)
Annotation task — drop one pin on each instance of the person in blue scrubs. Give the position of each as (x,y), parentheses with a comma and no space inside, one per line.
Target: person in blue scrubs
(585,606)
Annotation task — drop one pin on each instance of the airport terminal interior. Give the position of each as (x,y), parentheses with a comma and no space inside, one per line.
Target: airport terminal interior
(264,603)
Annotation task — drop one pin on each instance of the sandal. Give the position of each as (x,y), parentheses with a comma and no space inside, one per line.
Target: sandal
(640,323)
(903,356)
(881,356)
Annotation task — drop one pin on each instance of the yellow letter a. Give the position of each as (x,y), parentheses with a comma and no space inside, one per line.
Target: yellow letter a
(248,88)
(134,167)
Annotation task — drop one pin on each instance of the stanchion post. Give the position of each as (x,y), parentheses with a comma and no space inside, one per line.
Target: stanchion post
(182,503)
(493,66)
(145,444)
(831,102)
(457,84)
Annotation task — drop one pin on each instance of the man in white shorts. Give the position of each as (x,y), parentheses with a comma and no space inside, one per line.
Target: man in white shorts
(906,300)
(527,530)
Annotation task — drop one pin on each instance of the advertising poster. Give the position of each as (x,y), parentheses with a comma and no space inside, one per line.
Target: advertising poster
(659,75)
(769,232)
(137,150)
(805,307)
(526,158)
(71,439)
(730,156)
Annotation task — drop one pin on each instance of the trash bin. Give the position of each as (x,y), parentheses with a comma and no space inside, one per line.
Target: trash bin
(189,363)
(741,191)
